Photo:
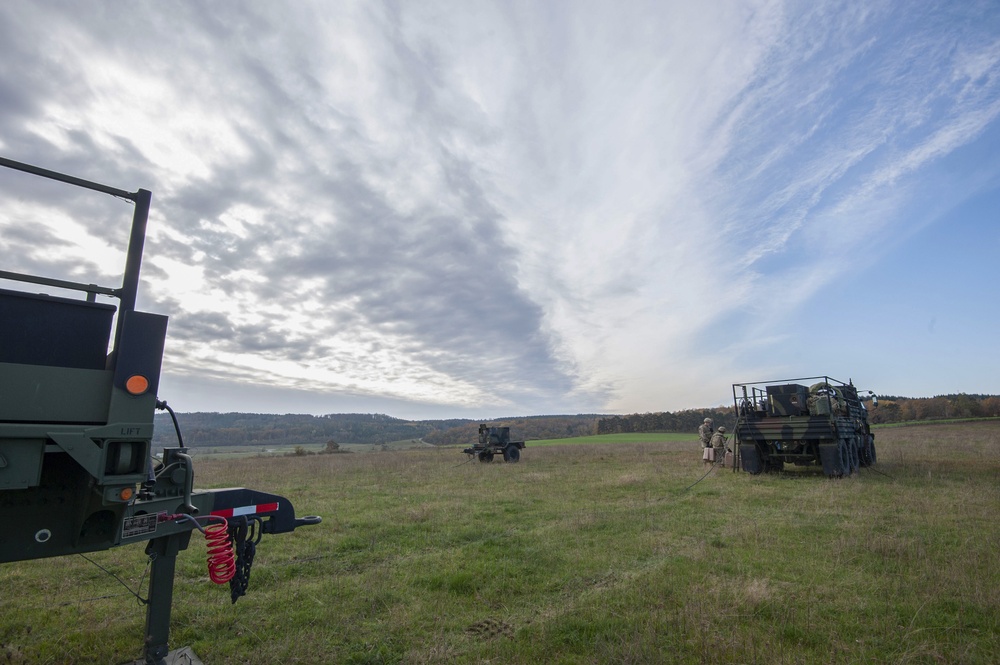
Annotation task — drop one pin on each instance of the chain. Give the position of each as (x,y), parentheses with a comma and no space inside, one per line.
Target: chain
(245,535)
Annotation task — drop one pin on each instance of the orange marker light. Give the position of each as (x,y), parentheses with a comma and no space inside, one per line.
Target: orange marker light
(137,384)
(126,493)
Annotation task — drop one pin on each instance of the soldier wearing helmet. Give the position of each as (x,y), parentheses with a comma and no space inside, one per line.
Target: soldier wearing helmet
(719,443)
(705,434)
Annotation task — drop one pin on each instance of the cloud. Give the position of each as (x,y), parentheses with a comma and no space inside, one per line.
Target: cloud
(510,206)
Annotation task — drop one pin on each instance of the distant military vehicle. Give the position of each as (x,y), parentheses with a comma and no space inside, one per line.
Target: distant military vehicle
(495,441)
(810,421)
(77,472)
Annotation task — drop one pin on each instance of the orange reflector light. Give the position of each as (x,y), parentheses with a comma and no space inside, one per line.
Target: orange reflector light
(126,493)
(137,384)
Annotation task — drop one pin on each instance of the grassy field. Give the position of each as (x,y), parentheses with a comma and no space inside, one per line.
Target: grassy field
(282,449)
(278,450)
(581,553)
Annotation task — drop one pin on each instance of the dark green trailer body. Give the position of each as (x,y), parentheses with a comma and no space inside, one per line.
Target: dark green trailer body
(78,391)
(809,421)
(493,441)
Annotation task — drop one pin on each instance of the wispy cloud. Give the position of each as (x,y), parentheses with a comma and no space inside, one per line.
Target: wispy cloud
(514,207)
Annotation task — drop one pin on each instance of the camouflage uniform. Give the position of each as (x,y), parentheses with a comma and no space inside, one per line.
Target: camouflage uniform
(719,443)
(705,434)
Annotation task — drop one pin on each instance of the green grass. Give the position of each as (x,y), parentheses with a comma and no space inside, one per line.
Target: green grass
(578,554)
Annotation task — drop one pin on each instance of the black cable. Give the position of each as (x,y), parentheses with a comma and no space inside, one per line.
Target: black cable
(142,600)
(881,473)
(161,405)
(710,469)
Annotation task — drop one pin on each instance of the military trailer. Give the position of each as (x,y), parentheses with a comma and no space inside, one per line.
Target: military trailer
(495,441)
(810,421)
(78,391)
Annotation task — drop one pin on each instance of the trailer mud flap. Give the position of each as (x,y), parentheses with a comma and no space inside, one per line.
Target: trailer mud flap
(750,459)
(829,455)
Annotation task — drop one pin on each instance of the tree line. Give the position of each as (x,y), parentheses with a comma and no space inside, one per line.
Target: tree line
(252,429)
(893,409)
(664,421)
(890,409)
(242,429)
(245,429)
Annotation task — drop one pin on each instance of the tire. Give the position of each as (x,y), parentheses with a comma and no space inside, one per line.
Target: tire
(844,456)
(511,454)
(864,454)
(822,385)
(486,457)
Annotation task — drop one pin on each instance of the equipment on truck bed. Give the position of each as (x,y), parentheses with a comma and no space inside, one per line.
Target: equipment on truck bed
(495,441)
(810,421)
(77,472)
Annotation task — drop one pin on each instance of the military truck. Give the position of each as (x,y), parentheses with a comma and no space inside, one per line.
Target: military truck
(805,422)
(77,471)
(495,441)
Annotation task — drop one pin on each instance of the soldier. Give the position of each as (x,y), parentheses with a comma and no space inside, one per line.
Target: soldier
(705,434)
(705,431)
(719,443)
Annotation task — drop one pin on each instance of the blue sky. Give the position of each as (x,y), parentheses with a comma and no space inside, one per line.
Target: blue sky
(490,209)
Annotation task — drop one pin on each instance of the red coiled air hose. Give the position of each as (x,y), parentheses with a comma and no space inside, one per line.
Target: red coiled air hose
(221,558)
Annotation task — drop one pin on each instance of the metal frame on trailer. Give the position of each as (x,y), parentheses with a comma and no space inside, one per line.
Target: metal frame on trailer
(791,421)
(77,472)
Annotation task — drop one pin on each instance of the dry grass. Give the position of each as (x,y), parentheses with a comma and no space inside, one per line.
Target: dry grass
(578,554)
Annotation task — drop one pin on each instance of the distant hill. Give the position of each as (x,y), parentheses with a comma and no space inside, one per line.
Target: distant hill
(247,429)
(242,429)
(201,429)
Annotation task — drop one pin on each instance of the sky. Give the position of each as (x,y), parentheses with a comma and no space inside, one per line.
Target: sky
(490,209)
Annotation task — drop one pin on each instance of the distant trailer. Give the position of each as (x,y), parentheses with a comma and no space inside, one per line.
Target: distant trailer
(806,422)
(495,441)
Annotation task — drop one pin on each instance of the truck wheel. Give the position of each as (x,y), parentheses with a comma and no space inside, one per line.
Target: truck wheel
(868,451)
(486,457)
(511,454)
(865,453)
(845,458)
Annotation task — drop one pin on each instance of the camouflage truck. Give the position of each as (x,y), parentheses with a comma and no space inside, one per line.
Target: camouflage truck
(495,441)
(78,391)
(810,421)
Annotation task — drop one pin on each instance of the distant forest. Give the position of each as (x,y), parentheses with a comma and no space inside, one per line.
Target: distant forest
(893,409)
(890,409)
(251,429)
